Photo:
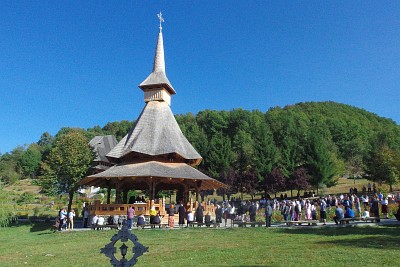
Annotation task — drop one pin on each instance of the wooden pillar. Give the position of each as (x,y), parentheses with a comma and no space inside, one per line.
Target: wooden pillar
(125,196)
(152,188)
(108,195)
(197,191)
(117,194)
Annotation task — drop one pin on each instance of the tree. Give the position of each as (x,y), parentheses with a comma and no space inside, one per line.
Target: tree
(321,162)
(220,156)
(266,153)
(229,178)
(244,152)
(274,181)
(69,161)
(385,165)
(29,160)
(299,180)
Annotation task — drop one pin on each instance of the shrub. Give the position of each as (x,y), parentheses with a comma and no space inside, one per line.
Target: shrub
(7,212)
(25,198)
(36,211)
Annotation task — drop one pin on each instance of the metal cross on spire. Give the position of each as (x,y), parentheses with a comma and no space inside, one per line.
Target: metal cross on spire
(160,17)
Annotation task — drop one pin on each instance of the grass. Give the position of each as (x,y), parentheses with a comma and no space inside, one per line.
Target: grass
(35,245)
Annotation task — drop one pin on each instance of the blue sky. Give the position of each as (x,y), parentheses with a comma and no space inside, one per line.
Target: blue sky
(78,63)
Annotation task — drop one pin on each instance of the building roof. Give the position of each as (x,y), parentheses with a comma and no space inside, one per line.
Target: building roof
(156,132)
(158,77)
(101,145)
(175,172)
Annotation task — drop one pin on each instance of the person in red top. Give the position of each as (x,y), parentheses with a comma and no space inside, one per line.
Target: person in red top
(130,214)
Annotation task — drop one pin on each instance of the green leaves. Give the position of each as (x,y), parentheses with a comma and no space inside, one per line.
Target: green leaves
(68,162)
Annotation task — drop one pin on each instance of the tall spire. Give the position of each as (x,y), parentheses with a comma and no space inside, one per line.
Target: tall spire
(158,78)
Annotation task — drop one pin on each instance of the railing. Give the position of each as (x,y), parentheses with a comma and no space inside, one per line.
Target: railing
(143,208)
(121,209)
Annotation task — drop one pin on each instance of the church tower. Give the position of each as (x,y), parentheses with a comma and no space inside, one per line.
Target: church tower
(155,155)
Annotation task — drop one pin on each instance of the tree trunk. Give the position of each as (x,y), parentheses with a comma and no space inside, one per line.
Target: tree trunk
(71,196)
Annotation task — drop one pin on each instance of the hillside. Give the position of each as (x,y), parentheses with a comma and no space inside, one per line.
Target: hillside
(298,146)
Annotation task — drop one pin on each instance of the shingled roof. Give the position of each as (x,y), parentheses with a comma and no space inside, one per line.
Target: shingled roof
(176,172)
(156,132)
(158,76)
(101,145)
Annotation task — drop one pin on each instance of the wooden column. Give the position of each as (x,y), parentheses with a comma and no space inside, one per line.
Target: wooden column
(152,188)
(125,196)
(108,194)
(117,193)
(197,191)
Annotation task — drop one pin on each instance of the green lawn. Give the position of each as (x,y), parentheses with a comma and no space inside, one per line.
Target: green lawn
(354,246)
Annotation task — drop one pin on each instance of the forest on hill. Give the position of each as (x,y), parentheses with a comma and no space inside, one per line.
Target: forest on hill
(297,147)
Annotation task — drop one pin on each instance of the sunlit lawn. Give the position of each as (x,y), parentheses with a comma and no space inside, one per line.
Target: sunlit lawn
(352,246)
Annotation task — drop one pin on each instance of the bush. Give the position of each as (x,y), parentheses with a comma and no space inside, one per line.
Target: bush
(7,212)
(26,198)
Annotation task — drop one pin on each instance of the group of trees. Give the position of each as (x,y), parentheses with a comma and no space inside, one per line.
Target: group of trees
(292,148)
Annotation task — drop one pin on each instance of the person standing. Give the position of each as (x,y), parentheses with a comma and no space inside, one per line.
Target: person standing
(199,215)
(71,216)
(85,217)
(323,211)
(385,203)
(375,208)
(268,214)
(182,213)
(171,216)
(285,210)
(61,217)
(253,212)
(308,210)
(153,214)
(218,214)
(130,215)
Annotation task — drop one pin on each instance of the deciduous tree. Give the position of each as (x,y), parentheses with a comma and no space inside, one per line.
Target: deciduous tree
(69,161)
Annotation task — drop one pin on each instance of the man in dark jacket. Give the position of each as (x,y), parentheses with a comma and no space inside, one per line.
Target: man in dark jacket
(199,214)
(268,214)
(253,212)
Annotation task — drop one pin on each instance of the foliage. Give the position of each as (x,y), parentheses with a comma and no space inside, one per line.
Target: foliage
(385,165)
(274,181)
(299,180)
(26,198)
(7,211)
(29,161)
(68,162)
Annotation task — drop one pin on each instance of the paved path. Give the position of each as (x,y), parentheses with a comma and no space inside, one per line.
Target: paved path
(383,222)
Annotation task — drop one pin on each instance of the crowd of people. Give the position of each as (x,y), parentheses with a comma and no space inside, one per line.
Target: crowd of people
(299,209)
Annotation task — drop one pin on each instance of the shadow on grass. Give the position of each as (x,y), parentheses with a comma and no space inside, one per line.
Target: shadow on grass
(41,226)
(374,242)
(35,226)
(385,231)
(383,237)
